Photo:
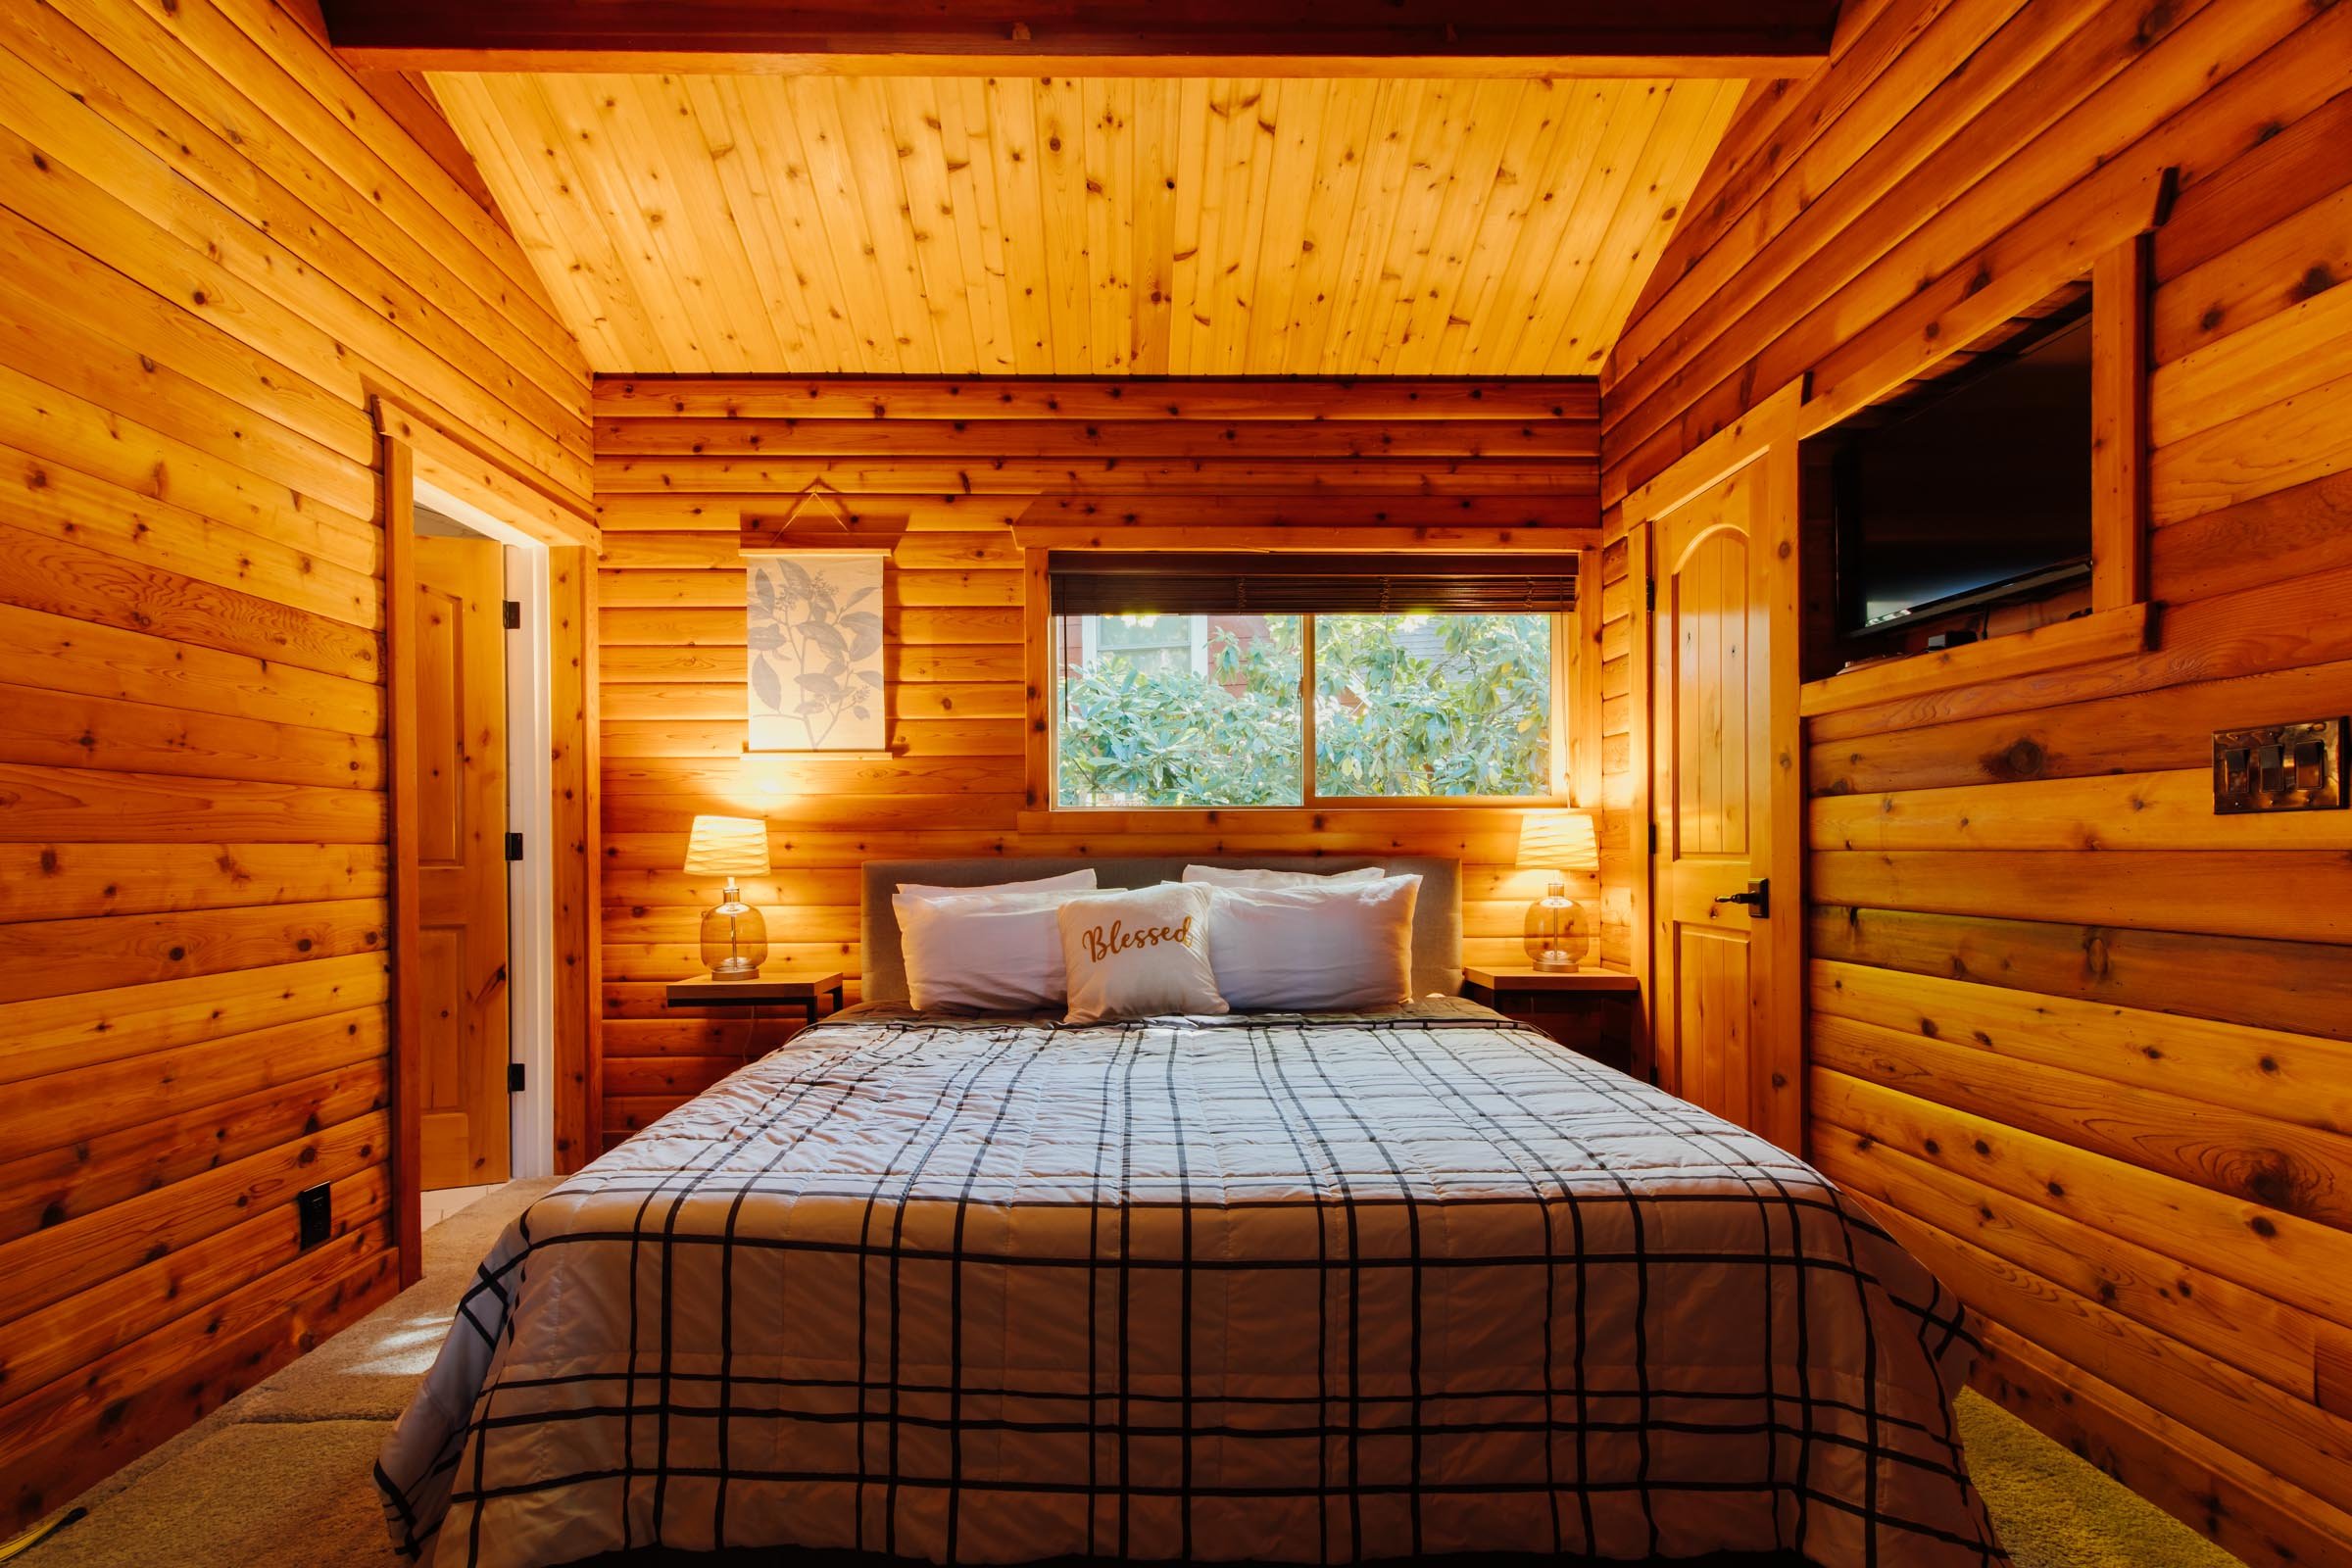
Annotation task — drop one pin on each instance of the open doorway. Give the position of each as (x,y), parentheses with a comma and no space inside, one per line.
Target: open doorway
(482,963)
(548,964)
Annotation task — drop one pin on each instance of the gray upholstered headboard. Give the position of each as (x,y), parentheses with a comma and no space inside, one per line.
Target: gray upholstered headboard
(1437,912)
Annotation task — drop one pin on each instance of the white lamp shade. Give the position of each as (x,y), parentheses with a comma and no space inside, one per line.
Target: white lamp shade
(1558,841)
(727,846)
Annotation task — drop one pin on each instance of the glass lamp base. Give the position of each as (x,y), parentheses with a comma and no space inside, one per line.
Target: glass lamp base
(1552,929)
(734,939)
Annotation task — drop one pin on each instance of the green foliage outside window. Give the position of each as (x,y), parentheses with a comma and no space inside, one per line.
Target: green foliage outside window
(1432,705)
(1153,733)
(1406,706)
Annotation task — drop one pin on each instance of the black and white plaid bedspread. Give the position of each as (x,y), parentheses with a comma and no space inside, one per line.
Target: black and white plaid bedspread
(1283,1288)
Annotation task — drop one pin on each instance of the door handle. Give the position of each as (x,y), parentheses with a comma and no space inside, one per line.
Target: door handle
(1757,897)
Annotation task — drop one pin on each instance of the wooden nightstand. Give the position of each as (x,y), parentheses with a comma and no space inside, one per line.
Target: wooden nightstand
(1591,1011)
(804,994)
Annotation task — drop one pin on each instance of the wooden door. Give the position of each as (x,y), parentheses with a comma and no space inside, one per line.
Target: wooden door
(460,786)
(1726,905)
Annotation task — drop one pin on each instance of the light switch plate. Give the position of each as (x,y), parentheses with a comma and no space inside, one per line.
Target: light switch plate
(2279,768)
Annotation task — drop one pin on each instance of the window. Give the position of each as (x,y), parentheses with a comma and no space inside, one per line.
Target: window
(1175,688)
(1228,731)
(1432,705)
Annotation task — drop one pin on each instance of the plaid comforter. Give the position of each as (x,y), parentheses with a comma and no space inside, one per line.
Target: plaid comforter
(1304,1289)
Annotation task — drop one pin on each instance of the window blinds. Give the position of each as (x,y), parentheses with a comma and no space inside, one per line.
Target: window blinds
(1162,583)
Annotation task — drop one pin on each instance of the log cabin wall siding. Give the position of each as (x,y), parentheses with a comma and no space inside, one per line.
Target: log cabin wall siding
(216,249)
(2085,1043)
(681,461)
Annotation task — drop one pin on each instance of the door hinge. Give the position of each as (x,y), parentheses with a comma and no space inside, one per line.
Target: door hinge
(514,1077)
(1649,590)
(513,846)
(512,614)
(1653,838)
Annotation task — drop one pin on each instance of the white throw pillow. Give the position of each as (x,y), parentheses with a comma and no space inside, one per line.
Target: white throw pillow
(983,951)
(1135,955)
(1084,881)
(1228,876)
(1311,950)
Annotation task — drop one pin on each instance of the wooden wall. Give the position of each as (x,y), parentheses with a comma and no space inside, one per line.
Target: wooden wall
(2087,1043)
(680,461)
(213,250)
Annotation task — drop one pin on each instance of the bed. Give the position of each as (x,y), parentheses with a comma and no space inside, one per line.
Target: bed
(1300,1287)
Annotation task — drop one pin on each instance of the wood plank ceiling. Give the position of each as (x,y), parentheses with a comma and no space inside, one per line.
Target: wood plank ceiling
(960,225)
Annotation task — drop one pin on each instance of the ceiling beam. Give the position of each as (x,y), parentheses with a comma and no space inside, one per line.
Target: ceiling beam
(1471,38)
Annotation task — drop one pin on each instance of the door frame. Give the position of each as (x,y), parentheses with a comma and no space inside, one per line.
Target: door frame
(530,803)
(556,1131)
(1766,434)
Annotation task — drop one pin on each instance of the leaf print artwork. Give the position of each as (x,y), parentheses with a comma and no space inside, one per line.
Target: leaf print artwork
(812,634)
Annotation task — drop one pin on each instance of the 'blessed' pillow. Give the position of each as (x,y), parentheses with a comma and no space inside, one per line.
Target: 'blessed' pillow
(1133,955)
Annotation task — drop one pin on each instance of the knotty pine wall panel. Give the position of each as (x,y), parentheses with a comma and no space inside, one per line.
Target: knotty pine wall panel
(679,461)
(2085,1042)
(214,247)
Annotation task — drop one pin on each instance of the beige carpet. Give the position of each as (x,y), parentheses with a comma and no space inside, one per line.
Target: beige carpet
(282,1476)
(2055,1511)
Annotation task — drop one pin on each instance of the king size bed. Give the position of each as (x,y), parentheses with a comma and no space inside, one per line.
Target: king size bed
(1271,1286)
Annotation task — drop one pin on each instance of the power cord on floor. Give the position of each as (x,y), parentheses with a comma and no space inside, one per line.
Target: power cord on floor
(39,1534)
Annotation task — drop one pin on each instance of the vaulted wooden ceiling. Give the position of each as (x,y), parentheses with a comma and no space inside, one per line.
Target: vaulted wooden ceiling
(1051,225)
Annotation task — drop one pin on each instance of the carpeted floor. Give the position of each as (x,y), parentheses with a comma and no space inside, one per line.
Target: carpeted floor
(281,1476)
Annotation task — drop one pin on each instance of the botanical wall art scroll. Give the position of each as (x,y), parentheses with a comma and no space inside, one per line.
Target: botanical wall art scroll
(813,622)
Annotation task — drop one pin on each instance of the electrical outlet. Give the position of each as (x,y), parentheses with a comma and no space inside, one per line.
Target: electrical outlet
(2279,768)
(315,1208)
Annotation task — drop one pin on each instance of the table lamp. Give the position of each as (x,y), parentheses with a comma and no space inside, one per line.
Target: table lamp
(1557,842)
(734,937)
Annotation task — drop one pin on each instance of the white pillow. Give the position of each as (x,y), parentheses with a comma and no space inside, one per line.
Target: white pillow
(1223,876)
(1083,880)
(1308,949)
(983,951)
(1139,954)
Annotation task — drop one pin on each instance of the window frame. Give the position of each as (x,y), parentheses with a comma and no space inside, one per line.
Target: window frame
(1046,640)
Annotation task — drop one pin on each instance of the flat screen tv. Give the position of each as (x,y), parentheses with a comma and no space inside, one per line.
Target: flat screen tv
(1976,489)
